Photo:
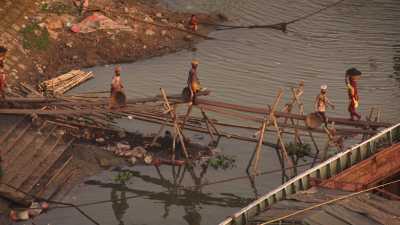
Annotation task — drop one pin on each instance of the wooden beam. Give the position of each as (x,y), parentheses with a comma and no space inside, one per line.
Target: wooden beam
(263,111)
(342,131)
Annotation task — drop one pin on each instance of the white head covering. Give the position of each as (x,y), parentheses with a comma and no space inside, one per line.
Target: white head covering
(324,87)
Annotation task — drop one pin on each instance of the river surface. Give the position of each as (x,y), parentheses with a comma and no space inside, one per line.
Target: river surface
(246,67)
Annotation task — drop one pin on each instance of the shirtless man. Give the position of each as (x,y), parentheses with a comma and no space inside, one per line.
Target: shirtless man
(193,81)
(116,86)
(3,84)
(321,101)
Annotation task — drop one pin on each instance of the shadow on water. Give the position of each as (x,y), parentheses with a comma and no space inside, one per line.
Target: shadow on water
(119,203)
(174,193)
(396,62)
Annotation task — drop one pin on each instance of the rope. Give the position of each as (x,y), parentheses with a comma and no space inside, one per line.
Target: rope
(70,205)
(316,12)
(277,26)
(329,202)
(54,202)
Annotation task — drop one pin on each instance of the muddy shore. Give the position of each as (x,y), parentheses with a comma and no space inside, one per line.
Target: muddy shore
(42,44)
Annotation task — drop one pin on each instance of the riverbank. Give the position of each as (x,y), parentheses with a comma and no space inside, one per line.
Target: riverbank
(48,38)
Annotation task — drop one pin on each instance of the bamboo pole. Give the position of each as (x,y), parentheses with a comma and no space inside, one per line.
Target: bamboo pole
(209,121)
(316,149)
(209,130)
(176,126)
(158,133)
(267,119)
(189,110)
(256,110)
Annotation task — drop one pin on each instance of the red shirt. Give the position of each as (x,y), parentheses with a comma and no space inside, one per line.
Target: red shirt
(193,21)
(353,84)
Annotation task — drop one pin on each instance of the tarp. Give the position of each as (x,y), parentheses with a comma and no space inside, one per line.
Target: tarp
(96,22)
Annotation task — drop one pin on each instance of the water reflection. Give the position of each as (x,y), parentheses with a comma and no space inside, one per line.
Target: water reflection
(396,62)
(191,198)
(119,203)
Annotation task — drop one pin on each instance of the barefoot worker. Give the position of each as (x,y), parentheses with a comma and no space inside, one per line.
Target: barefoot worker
(3,84)
(117,95)
(3,52)
(193,23)
(321,101)
(352,75)
(193,81)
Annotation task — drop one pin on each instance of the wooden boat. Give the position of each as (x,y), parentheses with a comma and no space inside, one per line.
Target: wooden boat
(320,173)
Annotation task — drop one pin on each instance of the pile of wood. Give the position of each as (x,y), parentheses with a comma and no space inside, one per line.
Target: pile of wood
(65,82)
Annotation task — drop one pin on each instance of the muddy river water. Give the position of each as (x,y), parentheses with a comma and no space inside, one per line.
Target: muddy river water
(246,67)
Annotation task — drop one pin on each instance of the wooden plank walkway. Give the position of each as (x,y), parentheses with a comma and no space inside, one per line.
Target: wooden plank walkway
(29,154)
(365,209)
(263,111)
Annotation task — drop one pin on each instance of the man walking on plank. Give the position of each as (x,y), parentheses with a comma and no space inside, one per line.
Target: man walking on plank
(193,23)
(117,94)
(3,83)
(193,81)
(352,75)
(321,101)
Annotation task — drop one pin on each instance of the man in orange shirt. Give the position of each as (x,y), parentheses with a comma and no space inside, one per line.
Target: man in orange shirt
(193,82)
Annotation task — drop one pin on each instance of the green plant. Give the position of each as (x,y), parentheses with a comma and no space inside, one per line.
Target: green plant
(58,8)
(123,176)
(298,150)
(222,162)
(35,37)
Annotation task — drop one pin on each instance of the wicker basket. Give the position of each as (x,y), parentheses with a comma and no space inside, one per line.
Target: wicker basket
(313,120)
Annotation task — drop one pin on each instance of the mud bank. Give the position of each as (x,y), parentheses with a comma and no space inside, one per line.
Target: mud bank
(42,44)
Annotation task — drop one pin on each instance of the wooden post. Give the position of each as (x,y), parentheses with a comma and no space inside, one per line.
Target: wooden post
(253,186)
(258,147)
(316,148)
(189,110)
(268,117)
(332,140)
(282,144)
(177,129)
(159,133)
(209,121)
(369,119)
(209,130)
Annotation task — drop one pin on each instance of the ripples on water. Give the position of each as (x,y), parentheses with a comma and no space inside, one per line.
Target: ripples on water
(247,67)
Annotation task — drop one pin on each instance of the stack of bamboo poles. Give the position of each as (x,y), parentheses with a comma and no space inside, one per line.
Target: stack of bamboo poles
(65,82)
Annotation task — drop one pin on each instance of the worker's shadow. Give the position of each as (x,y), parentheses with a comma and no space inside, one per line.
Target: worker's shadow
(119,203)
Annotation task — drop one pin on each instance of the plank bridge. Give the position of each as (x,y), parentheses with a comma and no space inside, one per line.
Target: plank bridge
(44,148)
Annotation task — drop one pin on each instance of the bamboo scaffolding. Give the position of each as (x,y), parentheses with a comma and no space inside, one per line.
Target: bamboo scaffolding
(256,110)
(177,128)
